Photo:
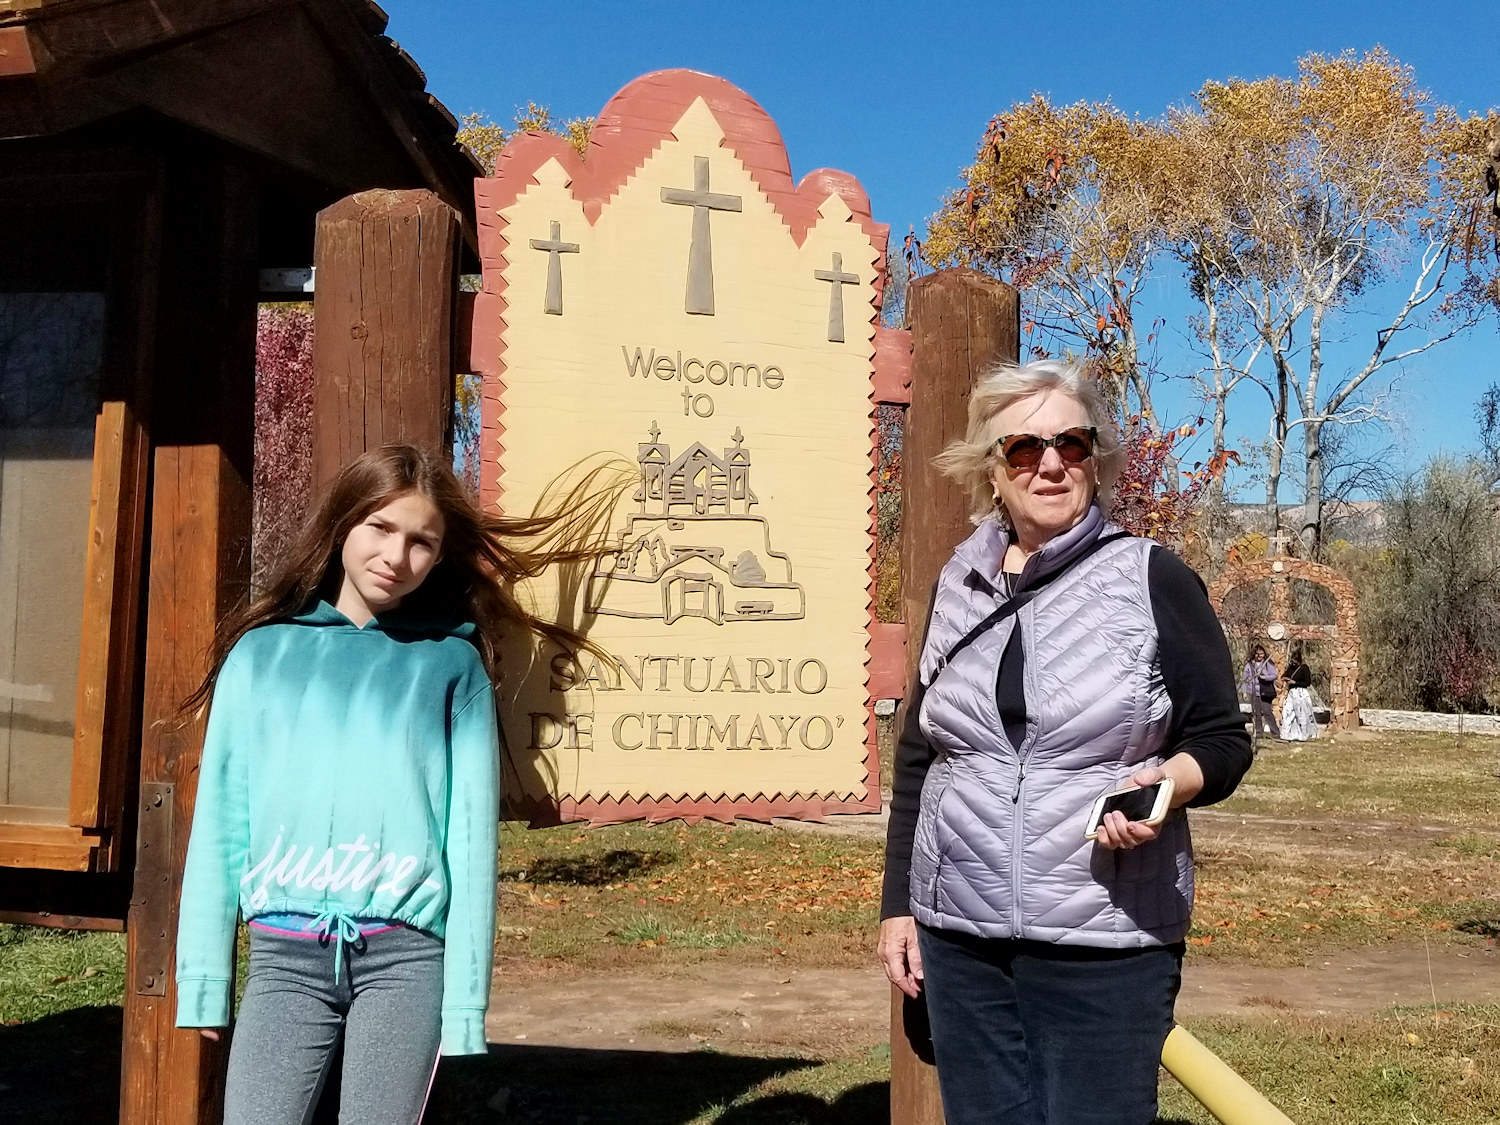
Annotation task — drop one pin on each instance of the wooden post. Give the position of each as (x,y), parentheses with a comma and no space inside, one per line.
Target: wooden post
(383,306)
(962,322)
(202,424)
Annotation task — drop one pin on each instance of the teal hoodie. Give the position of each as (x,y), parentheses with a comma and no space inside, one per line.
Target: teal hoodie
(349,770)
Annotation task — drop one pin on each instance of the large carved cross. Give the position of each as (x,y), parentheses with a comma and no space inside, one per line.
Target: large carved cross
(836,300)
(554,246)
(700,276)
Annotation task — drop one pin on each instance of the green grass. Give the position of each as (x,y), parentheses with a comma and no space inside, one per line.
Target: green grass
(649,930)
(1396,777)
(652,895)
(1352,843)
(1402,1067)
(44,972)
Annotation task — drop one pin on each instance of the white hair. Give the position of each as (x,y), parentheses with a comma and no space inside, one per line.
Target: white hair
(971,461)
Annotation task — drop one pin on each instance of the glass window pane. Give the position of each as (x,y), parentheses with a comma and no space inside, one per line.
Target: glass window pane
(50,352)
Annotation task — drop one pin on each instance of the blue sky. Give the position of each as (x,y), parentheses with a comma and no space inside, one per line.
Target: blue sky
(898,94)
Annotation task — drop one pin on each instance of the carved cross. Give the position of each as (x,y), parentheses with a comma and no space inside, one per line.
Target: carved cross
(700,276)
(836,299)
(554,246)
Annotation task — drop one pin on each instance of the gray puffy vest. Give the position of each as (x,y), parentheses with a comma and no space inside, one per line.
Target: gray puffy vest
(999,848)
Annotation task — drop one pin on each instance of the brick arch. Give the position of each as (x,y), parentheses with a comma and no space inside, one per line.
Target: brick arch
(1343,634)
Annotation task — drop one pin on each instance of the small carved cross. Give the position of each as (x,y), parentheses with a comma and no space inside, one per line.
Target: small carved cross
(554,246)
(836,299)
(700,276)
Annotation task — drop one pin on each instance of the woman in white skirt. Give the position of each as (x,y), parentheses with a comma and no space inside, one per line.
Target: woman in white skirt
(1297,723)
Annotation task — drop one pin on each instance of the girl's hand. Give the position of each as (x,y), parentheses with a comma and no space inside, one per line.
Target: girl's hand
(1115,831)
(899,955)
(209,1033)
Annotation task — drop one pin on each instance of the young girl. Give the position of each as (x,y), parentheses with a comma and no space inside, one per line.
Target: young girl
(348,798)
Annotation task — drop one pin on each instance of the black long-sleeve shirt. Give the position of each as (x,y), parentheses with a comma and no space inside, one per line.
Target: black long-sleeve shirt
(1206,718)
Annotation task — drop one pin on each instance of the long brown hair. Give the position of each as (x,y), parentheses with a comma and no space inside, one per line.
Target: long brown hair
(483,556)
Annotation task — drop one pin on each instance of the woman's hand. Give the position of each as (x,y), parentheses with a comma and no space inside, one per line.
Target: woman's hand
(899,955)
(1115,831)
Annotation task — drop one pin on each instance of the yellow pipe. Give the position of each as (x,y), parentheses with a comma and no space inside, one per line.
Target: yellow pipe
(1208,1078)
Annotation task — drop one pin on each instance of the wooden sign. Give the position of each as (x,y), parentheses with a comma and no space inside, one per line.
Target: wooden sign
(673,302)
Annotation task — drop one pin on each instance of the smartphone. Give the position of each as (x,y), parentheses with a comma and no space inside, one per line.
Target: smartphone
(1143,804)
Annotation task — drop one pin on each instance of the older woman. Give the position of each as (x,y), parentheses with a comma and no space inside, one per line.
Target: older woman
(1064,658)
(1258,678)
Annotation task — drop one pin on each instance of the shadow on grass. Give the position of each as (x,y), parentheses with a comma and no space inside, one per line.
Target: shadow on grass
(66,1068)
(569,1086)
(62,1068)
(1484,927)
(589,871)
(574,1086)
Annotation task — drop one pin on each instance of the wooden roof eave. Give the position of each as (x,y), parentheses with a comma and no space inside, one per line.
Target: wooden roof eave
(409,118)
(94,60)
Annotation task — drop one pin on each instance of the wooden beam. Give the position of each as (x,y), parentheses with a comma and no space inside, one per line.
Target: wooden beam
(102,739)
(202,430)
(62,921)
(55,847)
(384,307)
(71,38)
(962,322)
(173,1076)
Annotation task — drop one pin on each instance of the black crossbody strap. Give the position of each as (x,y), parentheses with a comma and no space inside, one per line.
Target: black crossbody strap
(1013,605)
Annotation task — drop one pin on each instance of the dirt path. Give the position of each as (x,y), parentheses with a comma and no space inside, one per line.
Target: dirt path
(837,1010)
(768,1007)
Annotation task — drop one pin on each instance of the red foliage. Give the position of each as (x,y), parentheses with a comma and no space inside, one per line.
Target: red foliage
(1464,668)
(1155,496)
(283,430)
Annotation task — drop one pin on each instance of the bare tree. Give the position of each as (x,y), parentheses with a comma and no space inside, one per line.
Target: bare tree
(1063,202)
(1343,186)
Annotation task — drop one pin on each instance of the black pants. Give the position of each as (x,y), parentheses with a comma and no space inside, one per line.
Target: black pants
(1032,1033)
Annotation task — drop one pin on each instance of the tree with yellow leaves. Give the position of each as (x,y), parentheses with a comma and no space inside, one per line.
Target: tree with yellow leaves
(1300,209)
(485,138)
(1343,191)
(1064,203)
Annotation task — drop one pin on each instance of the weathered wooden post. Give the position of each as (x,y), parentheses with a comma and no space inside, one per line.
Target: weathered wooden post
(961,322)
(383,306)
(202,431)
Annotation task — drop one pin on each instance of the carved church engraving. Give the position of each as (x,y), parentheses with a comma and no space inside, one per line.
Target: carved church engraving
(693,548)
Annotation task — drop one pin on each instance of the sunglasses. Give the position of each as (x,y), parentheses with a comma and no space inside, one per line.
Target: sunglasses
(1024,451)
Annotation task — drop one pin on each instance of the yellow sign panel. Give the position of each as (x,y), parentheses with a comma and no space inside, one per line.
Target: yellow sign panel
(672,301)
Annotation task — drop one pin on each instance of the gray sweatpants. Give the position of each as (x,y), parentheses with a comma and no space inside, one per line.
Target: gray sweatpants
(386,1005)
(1262,718)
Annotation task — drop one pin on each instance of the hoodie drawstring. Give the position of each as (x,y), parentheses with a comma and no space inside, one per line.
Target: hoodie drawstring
(342,928)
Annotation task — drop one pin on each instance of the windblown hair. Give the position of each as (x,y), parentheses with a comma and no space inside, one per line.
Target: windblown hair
(481,560)
(971,461)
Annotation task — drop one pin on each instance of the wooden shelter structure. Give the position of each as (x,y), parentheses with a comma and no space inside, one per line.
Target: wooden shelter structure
(155,156)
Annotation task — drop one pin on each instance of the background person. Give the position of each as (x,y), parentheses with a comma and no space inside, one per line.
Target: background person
(348,800)
(1259,681)
(1050,963)
(1298,723)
